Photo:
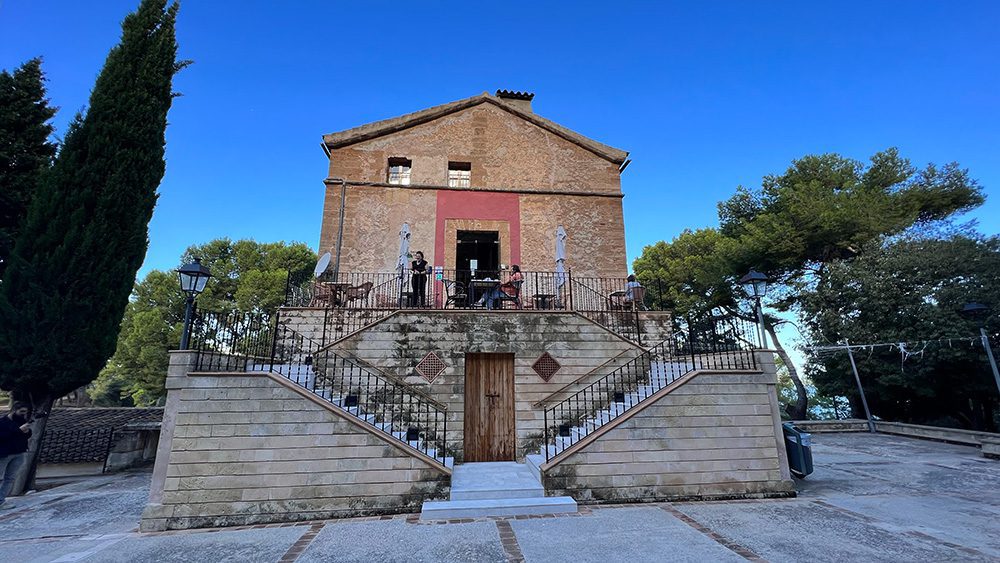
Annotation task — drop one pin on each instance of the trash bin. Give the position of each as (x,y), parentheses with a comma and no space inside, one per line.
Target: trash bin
(798,444)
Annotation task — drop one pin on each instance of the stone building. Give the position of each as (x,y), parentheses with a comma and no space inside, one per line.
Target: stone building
(354,403)
(485,179)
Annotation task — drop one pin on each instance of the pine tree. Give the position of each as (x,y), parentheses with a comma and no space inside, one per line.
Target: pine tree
(85,235)
(25,149)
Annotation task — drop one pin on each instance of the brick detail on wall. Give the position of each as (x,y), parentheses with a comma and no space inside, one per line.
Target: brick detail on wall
(545,366)
(430,367)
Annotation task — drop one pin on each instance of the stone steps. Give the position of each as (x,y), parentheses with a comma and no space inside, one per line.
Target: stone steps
(496,489)
(659,375)
(475,481)
(440,510)
(302,375)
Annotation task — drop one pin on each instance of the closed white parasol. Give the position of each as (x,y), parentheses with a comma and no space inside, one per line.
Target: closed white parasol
(404,249)
(560,256)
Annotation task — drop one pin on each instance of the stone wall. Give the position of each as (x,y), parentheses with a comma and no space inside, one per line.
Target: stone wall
(401,341)
(555,181)
(134,445)
(505,151)
(252,448)
(717,435)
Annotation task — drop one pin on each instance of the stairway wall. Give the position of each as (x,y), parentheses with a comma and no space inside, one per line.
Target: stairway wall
(246,449)
(399,343)
(715,436)
(656,326)
(327,325)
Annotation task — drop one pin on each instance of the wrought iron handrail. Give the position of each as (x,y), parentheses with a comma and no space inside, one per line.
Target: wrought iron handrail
(395,407)
(718,344)
(229,342)
(226,341)
(599,307)
(292,343)
(397,290)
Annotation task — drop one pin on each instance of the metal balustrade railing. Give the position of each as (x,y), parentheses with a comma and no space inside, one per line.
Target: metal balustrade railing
(382,401)
(441,289)
(226,341)
(607,302)
(716,344)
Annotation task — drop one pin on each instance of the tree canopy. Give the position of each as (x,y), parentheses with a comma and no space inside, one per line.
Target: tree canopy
(821,210)
(910,291)
(85,234)
(25,148)
(248,276)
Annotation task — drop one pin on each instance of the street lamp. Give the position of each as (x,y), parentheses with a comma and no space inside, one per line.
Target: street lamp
(979,313)
(755,285)
(193,278)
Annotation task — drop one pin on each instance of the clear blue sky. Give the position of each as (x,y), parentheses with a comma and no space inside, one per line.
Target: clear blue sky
(704,97)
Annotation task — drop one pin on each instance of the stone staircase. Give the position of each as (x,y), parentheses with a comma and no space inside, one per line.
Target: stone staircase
(625,394)
(495,489)
(304,375)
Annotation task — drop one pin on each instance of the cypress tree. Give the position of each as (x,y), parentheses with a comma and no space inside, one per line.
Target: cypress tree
(25,149)
(85,234)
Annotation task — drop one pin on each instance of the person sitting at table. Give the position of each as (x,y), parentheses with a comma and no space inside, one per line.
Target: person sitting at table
(509,287)
(633,290)
(419,280)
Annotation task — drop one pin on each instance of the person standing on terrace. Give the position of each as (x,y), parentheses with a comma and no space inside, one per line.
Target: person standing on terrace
(418,281)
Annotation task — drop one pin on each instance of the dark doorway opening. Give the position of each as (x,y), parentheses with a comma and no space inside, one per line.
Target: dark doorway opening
(480,249)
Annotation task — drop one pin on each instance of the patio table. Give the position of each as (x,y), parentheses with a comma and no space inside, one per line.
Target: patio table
(480,288)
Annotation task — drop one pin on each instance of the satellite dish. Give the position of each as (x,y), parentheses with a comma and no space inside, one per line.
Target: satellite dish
(322,265)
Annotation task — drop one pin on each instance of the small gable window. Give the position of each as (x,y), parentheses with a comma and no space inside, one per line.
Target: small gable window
(459,174)
(399,171)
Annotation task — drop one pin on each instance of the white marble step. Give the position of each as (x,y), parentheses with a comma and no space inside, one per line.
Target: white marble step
(439,510)
(534,463)
(494,480)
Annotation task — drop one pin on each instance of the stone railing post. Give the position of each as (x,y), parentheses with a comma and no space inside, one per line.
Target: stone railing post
(766,364)
(180,364)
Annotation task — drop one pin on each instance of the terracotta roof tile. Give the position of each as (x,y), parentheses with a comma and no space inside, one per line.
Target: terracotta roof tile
(83,435)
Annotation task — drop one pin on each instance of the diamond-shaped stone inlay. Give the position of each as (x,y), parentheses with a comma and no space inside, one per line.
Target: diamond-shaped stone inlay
(430,367)
(546,366)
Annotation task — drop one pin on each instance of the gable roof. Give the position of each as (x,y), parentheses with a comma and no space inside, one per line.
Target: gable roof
(392,125)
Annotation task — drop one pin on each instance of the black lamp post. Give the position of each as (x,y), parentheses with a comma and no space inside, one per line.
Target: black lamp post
(193,278)
(755,285)
(979,313)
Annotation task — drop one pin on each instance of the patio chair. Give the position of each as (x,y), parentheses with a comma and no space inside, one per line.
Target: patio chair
(357,293)
(455,293)
(638,300)
(322,295)
(516,298)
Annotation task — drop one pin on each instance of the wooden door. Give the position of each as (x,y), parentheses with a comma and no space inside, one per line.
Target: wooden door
(489,407)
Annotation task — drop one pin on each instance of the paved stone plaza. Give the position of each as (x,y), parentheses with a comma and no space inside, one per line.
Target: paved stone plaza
(872,498)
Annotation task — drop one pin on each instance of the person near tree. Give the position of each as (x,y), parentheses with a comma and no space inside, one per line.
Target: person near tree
(14,433)
(418,280)
(631,292)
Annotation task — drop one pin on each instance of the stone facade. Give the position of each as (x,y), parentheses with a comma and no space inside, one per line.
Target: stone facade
(528,176)
(582,348)
(715,435)
(252,448)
